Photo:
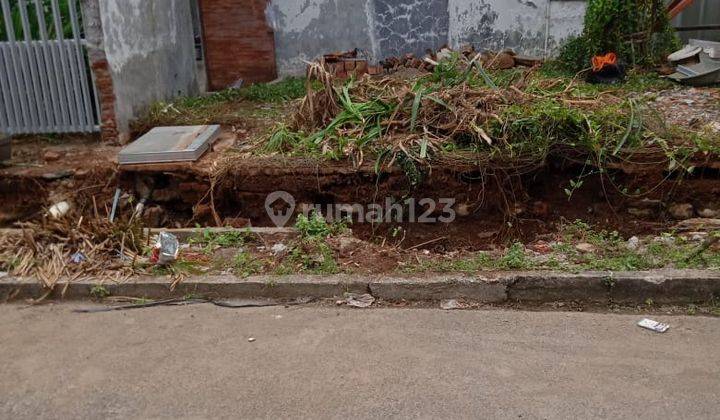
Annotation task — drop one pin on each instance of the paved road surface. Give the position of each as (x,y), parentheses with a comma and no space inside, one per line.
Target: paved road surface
(197,362)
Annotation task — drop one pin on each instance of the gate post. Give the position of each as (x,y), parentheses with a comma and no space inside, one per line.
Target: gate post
(101,70)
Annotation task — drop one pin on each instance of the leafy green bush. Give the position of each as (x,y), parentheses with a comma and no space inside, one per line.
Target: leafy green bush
(639,31)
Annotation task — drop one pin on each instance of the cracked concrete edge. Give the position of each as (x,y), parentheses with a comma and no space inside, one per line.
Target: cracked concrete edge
(661,286)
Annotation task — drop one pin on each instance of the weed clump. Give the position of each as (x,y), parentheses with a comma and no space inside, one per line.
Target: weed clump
(637,30)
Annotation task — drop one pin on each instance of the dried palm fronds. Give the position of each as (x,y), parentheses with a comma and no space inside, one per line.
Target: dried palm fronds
(53,250)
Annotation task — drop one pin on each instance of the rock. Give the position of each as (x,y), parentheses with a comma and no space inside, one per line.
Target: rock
(237,222)
(52,156)
(359,301)
(52,176)
(154,216)
(541,247)
(450,304)
(633,243)
(646,203)
(708,213)
(348,244)
(681,211)
(640,212)
(585,248)
(279,249)
(540,208)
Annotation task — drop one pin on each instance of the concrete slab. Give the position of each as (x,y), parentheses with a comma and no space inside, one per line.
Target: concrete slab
(170,144)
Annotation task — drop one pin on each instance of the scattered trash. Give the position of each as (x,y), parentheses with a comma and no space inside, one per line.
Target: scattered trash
(697,63)
(116,200)
(59,210)
(166,249)
(3,274)
(606,69)
(78,258)
(251,339)
(653,325)
(357,301)
(450,304)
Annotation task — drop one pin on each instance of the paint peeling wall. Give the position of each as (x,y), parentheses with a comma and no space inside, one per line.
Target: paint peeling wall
(305,29)
(150,50)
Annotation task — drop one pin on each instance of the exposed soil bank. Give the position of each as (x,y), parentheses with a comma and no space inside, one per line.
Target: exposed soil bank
(489,206)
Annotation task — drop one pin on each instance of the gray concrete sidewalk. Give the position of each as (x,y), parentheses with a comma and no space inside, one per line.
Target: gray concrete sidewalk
(320,362)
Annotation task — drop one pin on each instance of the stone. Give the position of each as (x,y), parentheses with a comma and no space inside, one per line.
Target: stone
(348,244)
(279,249)
(450,304)
(237,222)
(708,213)
(640,212)
(681,211)
(585,248)
(52,156)
(633,243)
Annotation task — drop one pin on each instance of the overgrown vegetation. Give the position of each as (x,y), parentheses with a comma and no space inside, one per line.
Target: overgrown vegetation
(503,122)
(638,31)
(34,23)
(228,107)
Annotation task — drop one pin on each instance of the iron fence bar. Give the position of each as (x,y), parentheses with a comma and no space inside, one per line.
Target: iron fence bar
(80,57)
(60,63)
(7,116)
(29,68)
(48,62)
(19,99)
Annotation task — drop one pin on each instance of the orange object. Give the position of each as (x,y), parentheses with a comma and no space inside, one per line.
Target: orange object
(599,62)
(677,6)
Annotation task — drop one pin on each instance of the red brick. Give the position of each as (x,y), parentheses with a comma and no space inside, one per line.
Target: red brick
(239,43)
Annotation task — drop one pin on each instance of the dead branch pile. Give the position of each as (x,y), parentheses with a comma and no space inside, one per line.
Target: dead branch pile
(62,250)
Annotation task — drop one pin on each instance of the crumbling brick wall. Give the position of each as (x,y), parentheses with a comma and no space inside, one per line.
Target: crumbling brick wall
(239,43)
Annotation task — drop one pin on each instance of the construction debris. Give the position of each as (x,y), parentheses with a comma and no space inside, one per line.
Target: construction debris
(170,144)
(698,63)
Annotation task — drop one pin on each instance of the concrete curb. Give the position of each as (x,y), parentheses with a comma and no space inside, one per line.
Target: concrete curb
(662,286)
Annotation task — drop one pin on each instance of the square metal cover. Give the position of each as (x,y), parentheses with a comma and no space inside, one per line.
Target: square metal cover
(170,144)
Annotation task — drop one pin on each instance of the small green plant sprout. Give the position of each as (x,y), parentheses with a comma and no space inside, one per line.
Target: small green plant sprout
(245,265)
(314,226)
(514,258)
(99,291)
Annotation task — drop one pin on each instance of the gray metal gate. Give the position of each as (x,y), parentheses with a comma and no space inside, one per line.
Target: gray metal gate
(45,81)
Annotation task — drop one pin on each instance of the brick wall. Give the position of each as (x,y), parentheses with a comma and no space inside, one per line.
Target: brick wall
(239,43)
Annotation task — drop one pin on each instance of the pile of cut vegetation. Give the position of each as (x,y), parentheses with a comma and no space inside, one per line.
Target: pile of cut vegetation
(464,115)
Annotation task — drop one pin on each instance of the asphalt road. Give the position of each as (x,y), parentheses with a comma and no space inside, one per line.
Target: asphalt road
(315,362)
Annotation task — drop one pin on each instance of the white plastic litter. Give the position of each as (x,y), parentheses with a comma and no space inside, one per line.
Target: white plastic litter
(59,210)
(169,248)
(653,325)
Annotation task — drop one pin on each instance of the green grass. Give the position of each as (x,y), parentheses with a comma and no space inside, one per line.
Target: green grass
(228,107)
(245,265)
(611,254)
